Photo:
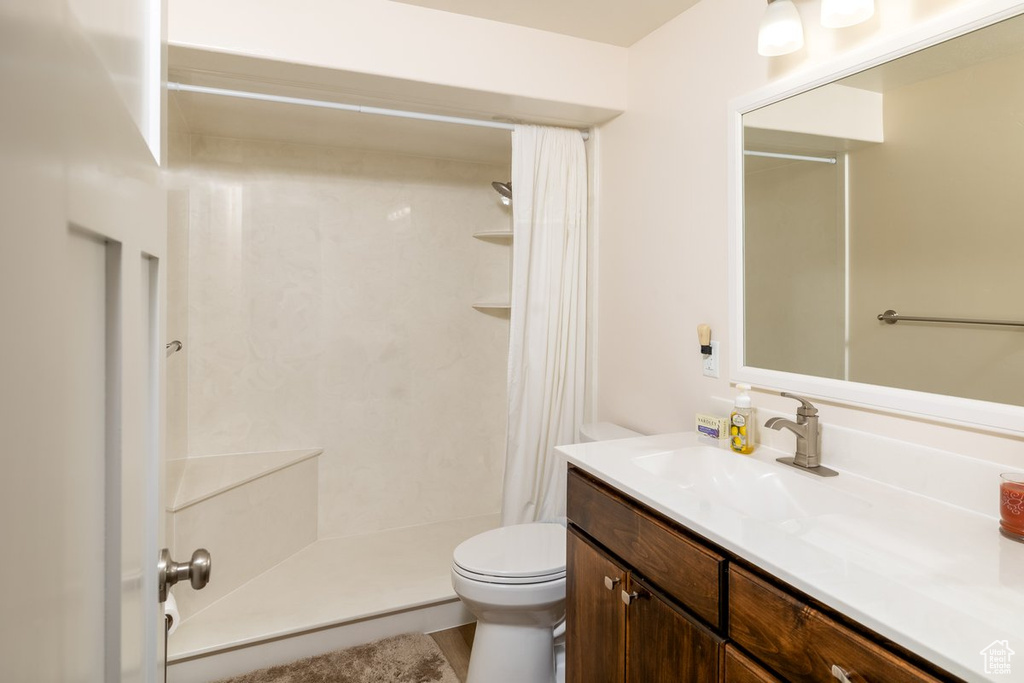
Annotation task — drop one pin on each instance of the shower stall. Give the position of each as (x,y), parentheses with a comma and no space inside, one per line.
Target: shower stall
(336,414)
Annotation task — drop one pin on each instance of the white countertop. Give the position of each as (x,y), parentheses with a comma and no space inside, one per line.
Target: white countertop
(939,580)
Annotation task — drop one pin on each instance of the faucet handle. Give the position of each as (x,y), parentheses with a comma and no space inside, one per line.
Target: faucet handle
(806,409)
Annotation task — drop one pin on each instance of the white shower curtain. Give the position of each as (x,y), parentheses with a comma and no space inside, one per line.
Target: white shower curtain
(547,346)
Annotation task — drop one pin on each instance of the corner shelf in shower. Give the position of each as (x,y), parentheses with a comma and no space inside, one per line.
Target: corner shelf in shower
(500,237)
(495,235)
(492,306)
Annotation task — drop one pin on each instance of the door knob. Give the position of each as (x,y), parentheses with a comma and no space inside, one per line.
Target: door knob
(196,570)
(609,582)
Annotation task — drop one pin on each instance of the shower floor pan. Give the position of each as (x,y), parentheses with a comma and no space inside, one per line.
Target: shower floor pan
(334,593)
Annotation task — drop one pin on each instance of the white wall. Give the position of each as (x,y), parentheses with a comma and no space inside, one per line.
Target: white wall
(663,218)
(330,301)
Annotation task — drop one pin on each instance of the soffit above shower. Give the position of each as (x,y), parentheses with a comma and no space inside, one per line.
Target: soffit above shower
(397,50)
(214,68)
(604,21)
(227,117)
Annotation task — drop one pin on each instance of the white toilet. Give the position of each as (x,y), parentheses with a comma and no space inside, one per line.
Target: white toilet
(513,580)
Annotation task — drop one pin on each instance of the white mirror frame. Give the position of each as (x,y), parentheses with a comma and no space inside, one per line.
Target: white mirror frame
(998,417)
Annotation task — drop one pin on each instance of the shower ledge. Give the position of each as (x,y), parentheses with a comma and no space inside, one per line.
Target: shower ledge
(207,476)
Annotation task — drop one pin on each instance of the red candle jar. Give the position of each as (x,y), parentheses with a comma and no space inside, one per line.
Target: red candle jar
(1011,505)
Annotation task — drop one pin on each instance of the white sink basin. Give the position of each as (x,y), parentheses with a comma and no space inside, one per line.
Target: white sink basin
(753,488)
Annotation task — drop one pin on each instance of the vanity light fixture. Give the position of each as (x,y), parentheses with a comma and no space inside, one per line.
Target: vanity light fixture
(781,31)
(843,13)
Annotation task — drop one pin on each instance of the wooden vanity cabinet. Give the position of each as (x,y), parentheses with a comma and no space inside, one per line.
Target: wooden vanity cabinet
(637,592)
(624,630)
(686,570)
(696,613)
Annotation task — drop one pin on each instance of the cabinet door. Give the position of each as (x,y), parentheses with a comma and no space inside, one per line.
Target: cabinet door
(663,644)
(741,669)
(595,617)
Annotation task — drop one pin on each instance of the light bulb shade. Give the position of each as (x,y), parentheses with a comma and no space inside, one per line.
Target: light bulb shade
(781,31)
(843,13)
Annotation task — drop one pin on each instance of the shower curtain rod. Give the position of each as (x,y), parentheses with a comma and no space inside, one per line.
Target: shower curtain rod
(794,157)
(323,104)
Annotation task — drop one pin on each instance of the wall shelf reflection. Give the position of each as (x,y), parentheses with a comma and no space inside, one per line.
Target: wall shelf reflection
(494,235)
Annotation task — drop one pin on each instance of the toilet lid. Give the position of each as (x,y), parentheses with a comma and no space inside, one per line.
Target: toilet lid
(514,553)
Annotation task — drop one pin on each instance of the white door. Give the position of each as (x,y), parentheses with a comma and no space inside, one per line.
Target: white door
(82,239)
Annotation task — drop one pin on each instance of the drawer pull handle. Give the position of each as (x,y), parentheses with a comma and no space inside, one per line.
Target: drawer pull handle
(630,597)
(840,674)
(609,582)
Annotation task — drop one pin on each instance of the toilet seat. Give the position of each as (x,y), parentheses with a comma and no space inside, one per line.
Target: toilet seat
(518,554)
(506,580)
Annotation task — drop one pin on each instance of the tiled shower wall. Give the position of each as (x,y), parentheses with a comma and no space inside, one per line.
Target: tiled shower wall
(329,303)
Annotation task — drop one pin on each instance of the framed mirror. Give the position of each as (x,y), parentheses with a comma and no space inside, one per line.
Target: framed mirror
(878,227)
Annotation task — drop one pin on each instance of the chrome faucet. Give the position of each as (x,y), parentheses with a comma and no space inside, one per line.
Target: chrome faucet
(808,437)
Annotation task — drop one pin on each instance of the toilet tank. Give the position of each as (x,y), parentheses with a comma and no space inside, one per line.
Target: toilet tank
(604,431)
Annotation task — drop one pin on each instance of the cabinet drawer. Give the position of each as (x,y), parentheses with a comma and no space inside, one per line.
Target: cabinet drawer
(677,565)
(800,642)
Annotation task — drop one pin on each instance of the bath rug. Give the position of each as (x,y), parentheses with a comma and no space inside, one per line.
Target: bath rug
(412,658)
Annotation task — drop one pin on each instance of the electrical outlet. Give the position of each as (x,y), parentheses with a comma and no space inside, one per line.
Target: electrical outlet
(711,362)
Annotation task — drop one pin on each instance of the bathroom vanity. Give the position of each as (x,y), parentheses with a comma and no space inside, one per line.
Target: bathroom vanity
(689,563)
(696,607)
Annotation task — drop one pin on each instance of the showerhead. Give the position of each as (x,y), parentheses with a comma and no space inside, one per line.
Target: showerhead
(504,189)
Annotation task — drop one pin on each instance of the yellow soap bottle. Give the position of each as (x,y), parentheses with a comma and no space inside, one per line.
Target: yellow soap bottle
(741,422)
